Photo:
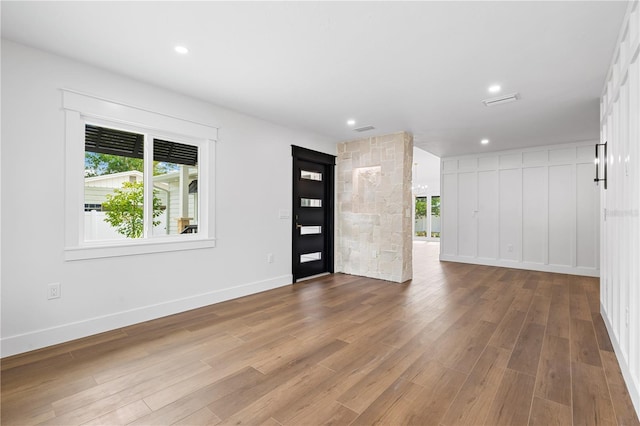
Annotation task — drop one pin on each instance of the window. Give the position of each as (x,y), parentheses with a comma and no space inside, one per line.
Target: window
(91,207)
(114,170)
(304,174)
(435,216)
(427,217)
(310,202)
(420,217)
(137,181)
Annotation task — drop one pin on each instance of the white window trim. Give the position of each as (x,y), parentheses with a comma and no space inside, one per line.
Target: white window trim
(80,108)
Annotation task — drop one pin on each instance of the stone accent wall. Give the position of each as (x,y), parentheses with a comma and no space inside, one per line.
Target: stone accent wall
(373,192)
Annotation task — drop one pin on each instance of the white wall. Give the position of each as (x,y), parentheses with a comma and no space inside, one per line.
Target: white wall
(532,209)
(620,221)
(427,172)
(252,175)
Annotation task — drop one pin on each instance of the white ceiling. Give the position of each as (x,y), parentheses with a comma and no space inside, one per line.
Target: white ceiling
(423,67)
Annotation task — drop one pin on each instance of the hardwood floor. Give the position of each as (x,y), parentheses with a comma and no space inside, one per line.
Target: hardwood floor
(460,344)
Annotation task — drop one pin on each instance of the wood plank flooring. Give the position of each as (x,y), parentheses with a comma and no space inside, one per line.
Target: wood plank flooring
(458,345)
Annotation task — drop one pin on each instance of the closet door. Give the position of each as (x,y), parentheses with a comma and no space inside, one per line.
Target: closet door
(467,214)
(449,214)
(488,214)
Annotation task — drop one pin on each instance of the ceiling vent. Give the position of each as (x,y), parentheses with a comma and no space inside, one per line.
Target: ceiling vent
(499,100)
(364,129)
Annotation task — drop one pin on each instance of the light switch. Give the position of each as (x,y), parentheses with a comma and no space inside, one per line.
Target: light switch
(284,214)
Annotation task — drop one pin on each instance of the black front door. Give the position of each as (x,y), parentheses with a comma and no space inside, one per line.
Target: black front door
(312,245)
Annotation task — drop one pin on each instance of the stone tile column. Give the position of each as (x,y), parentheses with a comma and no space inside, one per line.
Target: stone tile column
(373,223)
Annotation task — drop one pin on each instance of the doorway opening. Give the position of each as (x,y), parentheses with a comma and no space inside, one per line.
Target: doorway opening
(425,187)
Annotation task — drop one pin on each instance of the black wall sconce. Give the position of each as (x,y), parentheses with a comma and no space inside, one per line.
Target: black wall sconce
(597,161)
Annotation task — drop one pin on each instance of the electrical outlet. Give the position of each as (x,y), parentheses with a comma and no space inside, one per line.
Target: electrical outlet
(53,291)
(270,258)
(510,248)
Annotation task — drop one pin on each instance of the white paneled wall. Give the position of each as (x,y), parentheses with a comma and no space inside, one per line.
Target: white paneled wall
(487,214)
(531,209)
(619,217)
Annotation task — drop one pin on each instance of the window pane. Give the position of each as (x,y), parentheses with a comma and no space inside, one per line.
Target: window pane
(113,184)
(310,202)
(310,230)
(175,188)
(435,216)
(304,174)
(310,257)
(421,217)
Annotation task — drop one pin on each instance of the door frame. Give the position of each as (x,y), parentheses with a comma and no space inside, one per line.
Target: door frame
(305,154)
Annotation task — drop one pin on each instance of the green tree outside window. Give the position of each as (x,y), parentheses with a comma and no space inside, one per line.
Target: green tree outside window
(125,209)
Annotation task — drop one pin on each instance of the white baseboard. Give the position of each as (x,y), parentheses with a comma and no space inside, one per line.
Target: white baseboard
(558,269)
(20,343)
(633,386)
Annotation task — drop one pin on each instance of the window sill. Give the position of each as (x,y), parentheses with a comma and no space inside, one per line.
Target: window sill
(101,250)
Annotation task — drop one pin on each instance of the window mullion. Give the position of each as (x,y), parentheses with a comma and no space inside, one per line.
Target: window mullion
(148,186)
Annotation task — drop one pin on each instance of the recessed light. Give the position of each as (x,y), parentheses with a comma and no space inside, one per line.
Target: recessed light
(351,122)
(495,88)
(181,50)
(484,141)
